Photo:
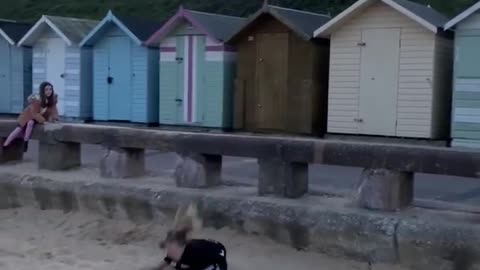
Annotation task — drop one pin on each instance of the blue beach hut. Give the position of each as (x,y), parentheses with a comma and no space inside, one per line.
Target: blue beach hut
(15,67)
(125,72)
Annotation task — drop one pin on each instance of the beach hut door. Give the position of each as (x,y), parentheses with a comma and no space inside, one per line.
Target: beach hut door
(5,100)
(271,80)
(119,79)
(56,69)
(379,82)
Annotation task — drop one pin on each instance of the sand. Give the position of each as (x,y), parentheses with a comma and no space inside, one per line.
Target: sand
(41,240)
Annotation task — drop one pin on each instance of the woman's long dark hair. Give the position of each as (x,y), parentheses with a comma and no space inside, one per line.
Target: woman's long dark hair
(46,101)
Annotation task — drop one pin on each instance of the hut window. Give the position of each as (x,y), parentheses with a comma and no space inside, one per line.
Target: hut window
(250,38)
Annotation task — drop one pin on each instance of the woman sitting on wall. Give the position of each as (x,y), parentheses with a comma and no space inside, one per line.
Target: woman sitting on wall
(41,107)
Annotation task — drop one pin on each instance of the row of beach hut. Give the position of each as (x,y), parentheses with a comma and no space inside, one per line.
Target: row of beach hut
(381,67)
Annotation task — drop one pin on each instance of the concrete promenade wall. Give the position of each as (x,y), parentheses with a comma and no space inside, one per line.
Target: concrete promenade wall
(376,224)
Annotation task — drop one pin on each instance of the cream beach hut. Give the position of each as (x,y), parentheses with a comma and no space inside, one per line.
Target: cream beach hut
(390,70)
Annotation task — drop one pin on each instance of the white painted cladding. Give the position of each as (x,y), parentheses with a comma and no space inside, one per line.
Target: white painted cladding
(415,73)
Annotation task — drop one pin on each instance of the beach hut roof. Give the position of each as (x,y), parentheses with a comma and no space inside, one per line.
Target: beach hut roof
(71,30)
(462,16)
(424,15)
(216,26)
(302,22)
(13,31)
(136,28)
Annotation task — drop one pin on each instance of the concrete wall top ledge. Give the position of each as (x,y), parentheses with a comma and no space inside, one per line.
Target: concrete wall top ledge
(400,157)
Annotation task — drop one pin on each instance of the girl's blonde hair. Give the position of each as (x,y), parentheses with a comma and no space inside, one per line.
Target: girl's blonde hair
(186,222)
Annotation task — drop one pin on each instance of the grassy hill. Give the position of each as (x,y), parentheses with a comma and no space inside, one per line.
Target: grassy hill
(30,10)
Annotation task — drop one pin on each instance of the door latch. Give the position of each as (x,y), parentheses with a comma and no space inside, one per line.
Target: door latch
(361,44)
(358,120)
(109,80)
(179,100)
(179,59)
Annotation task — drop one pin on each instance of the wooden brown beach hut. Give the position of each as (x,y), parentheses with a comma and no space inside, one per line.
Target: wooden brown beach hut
(282,72)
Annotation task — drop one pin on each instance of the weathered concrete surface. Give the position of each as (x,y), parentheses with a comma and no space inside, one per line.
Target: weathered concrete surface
(281,178)
(198,170)
(122,162)
(13,152)
(409,158)
(57,156)
(326,225)
(381,189)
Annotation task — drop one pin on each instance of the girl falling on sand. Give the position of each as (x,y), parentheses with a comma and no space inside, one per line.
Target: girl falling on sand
(41,107)
(192,254)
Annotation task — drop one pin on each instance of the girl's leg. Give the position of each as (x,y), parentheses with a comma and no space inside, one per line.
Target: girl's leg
(15,134)
(28,131)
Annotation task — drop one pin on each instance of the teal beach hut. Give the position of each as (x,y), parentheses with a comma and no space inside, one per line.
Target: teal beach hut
(466,86)
(15,67)
(125,71)
(196,69)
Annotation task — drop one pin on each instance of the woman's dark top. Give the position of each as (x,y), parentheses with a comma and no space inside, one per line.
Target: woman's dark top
(201,254)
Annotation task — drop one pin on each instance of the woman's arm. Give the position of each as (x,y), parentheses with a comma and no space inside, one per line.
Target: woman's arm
(35,109)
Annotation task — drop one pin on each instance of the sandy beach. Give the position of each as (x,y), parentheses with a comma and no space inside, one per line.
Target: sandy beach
(51,240)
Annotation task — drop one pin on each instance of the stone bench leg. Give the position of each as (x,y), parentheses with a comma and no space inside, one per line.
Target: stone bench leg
(122,162)
(13,152)
(281,178)
(57,156)
(381,189)
(198,170)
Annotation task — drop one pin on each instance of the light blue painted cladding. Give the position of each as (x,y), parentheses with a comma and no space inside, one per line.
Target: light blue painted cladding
(120,69)
(171,88)
(153,85)
(465,143)
(101,87)
(17,81)
(201,71)
(139,94)
(466,94)
(5,76)
(181,47)
(218,100)
(168,87)
(15,77)
(213,94)
(39,66)
(86,83)
(72,82)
